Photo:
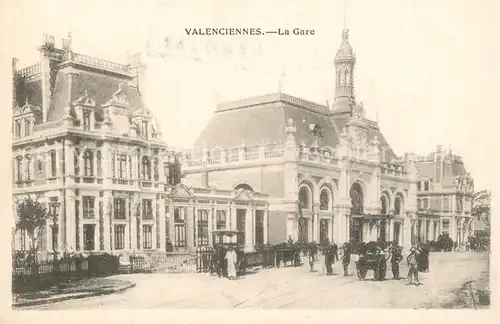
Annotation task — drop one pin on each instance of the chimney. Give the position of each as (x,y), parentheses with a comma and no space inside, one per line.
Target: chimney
(48,54)
(14,83)
(138,71)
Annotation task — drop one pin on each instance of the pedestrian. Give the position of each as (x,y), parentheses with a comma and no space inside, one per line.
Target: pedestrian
(412,266)
(313,251)
(346,258)
(221,261)
(329,259)
(396,257)
(231,259)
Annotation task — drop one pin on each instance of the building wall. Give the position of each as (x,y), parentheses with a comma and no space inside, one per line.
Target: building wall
(266,179)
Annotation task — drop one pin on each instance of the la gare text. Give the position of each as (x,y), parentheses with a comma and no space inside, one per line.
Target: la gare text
(248,31)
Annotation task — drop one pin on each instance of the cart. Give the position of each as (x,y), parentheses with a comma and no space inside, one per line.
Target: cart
(223,239)
(287,253)
(374,260)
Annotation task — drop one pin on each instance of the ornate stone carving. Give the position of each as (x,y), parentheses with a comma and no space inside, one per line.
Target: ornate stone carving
(84,100)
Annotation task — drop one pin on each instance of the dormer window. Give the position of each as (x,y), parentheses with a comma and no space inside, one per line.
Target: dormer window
(145,129)
(86,120)
(315,130)
(17,128)
(27,127)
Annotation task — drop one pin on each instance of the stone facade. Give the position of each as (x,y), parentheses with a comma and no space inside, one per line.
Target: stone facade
(445,194)
(333,163)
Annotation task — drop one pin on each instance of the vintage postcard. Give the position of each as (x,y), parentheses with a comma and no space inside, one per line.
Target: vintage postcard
(236,155)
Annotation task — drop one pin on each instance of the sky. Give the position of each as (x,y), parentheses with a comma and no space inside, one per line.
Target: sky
(424,70)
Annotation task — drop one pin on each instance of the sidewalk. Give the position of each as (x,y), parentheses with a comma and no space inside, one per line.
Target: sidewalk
(79,289)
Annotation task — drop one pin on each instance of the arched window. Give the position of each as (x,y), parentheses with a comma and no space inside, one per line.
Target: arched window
(88,163)
(99,163)
(19,168)
(384,204)
(356,199)
(244,186)
(324,200)
(304,198)
(398,202)
(146,168)
(29,168)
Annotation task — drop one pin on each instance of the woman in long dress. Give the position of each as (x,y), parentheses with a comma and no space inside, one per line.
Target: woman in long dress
(231,259)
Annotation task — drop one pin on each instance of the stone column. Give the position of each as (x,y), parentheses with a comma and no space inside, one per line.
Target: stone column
(190,217)
(453,233)
(162,225)
(70,226)
(249,219)
(154,227)
(266,217)
(133,221)
(232,220)
(106,219)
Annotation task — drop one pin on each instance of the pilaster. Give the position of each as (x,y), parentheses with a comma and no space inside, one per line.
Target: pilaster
(162,224)
(106,217)
(70,226)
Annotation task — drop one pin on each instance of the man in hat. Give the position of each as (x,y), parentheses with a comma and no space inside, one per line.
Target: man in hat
(396,257)
(412,266)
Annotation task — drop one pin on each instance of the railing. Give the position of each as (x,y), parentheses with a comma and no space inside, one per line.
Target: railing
(99,63)
(147,184)
(29,70)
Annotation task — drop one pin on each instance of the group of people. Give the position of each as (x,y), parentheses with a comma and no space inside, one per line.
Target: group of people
(417,259)
(225,261)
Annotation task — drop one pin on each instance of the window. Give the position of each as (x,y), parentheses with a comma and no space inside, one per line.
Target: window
(89,237)
(53,164)
(88,164)
(29,168)
(304,198)
(323,231)
(166,170)
(119,208)
(426,186)
(130,167)
(147,208)
(17,128)
(122,166)
(324,200)
(202,227)
(147,234)
(27,127)
(88,206)
(55,233)
(220,219)
(426,203)
(23,239)
(259,227)
(39,165)
(119,237)
(241,215)
(446,226)
(86,120)
(419,186)
(19,168)
(180,226)
(146,168)
(145,129)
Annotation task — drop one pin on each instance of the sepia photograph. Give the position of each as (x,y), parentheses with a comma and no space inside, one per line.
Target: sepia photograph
(281,155)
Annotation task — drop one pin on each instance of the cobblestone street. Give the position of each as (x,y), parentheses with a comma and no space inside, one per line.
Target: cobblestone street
(294,288)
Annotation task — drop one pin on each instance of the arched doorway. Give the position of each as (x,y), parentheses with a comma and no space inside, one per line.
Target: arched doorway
(305,203)
(356,232)
(384,210)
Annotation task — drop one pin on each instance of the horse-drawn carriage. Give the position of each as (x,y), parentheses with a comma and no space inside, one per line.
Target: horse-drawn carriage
(371,257)
(287,253)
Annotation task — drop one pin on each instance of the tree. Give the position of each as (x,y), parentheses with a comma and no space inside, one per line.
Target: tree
(32,216)
(481,207)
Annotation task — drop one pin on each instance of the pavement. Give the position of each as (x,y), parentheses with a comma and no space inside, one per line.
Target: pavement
(296,288)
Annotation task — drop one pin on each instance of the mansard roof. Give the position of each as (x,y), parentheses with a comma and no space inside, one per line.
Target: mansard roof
(99,88)
(262,120)
(452,165)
